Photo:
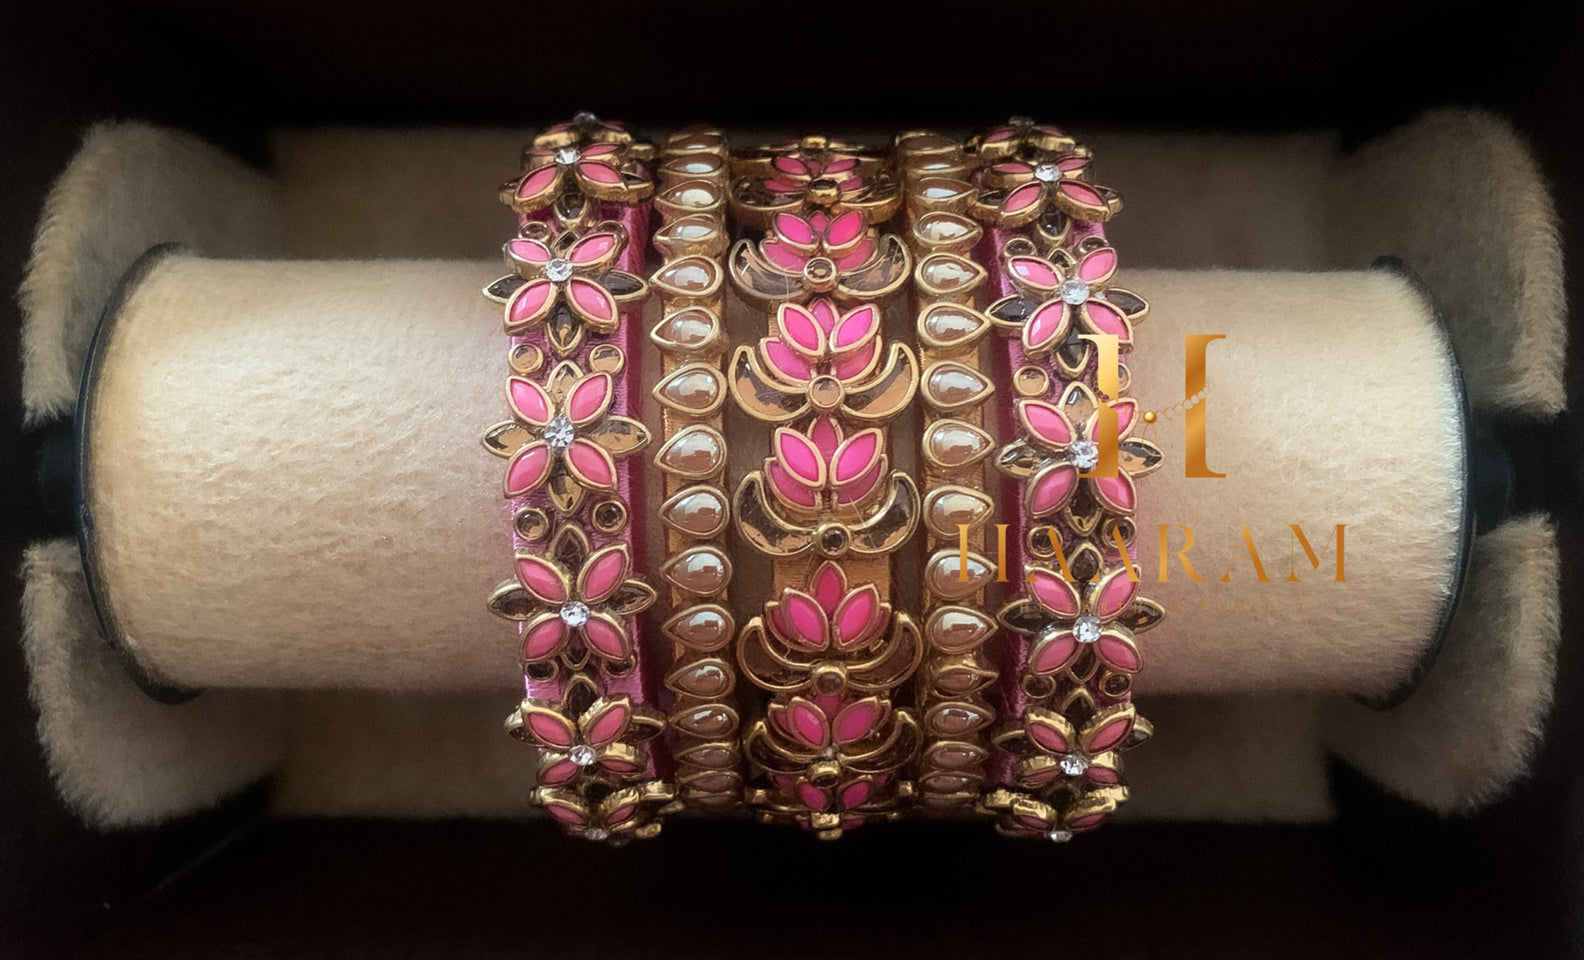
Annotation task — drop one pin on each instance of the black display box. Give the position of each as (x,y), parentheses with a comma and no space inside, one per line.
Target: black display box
(1384,880)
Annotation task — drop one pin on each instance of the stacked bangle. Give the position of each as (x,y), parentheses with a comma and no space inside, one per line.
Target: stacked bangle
(831,708)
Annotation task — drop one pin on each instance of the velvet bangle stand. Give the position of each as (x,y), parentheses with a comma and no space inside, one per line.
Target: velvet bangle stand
(287,495)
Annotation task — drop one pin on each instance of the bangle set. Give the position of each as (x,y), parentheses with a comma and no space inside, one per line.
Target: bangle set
(845,697)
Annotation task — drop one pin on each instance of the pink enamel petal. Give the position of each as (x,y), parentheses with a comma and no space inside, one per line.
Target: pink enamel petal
(597,171)
(593,247)
(812,797)
(1040,777)
(824,313)
(1126,410)
(1113,595)
(804,620)
(1081,192)
(1088,822)
(1047,327)
(528,470)
(839,165)
(782,255)
(1056,652)
(542,579)
(1053,593)
(603,572)
(543,639)
(861,488)
(828,586)
(1023,198)
(1103,775)
(617,765)
(591,465)
(1098,265)
(1045,422)
(605,636)
(1012,168)
(1051,488)
(1048,737)
(600,150)
(1071,165)
(557,772)
(1101,317)
(800,457)
(855,794)
(566,814)
(785,362)
(789,488)
(856,456)
(608,724)
(857,364)
(845,229)
(826,436)
(856,257)
(551,730)
(791,166)
(537,184)
(1118,652)
(857,326)
(589,398)
(621,815)
(805,721)
(529,401)
(794,228)
(1116,493)
(855,617)
(528,251)
(530,303)
(800,330)
(1110,734)
(857,720)
(592,301)
(1035,273)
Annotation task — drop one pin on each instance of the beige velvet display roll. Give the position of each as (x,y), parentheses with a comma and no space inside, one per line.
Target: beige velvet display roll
(287,489)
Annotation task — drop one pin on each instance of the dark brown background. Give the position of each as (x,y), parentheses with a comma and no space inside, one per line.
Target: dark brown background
(1384,881)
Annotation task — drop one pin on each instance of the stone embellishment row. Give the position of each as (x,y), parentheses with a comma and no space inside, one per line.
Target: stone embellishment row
(832,747)
(952,692)
(1069,651)
(570,309)
(694,506)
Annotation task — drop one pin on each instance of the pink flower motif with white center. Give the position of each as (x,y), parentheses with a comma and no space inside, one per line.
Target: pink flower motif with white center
(829,615)
(604,738)
(617,818)
(1051,749)
(1075,621)
(580,279)
(1055,450)
(577,433)
(1054,302)
(822,472)
(1023,191)
(845,239)
(585,605)
(596,160)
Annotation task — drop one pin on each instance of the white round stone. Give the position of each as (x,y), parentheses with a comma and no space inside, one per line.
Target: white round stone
(559,433)
(574,614)
(583,118)
(1085,453)
(1074,291)
(1074,764)
(1047,173)
(1059,835)
(597,834)
(1086,629)
(559,269)
(567,156)
(582,754)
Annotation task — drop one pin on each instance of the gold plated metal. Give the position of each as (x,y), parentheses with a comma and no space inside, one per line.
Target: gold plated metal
(693,171)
